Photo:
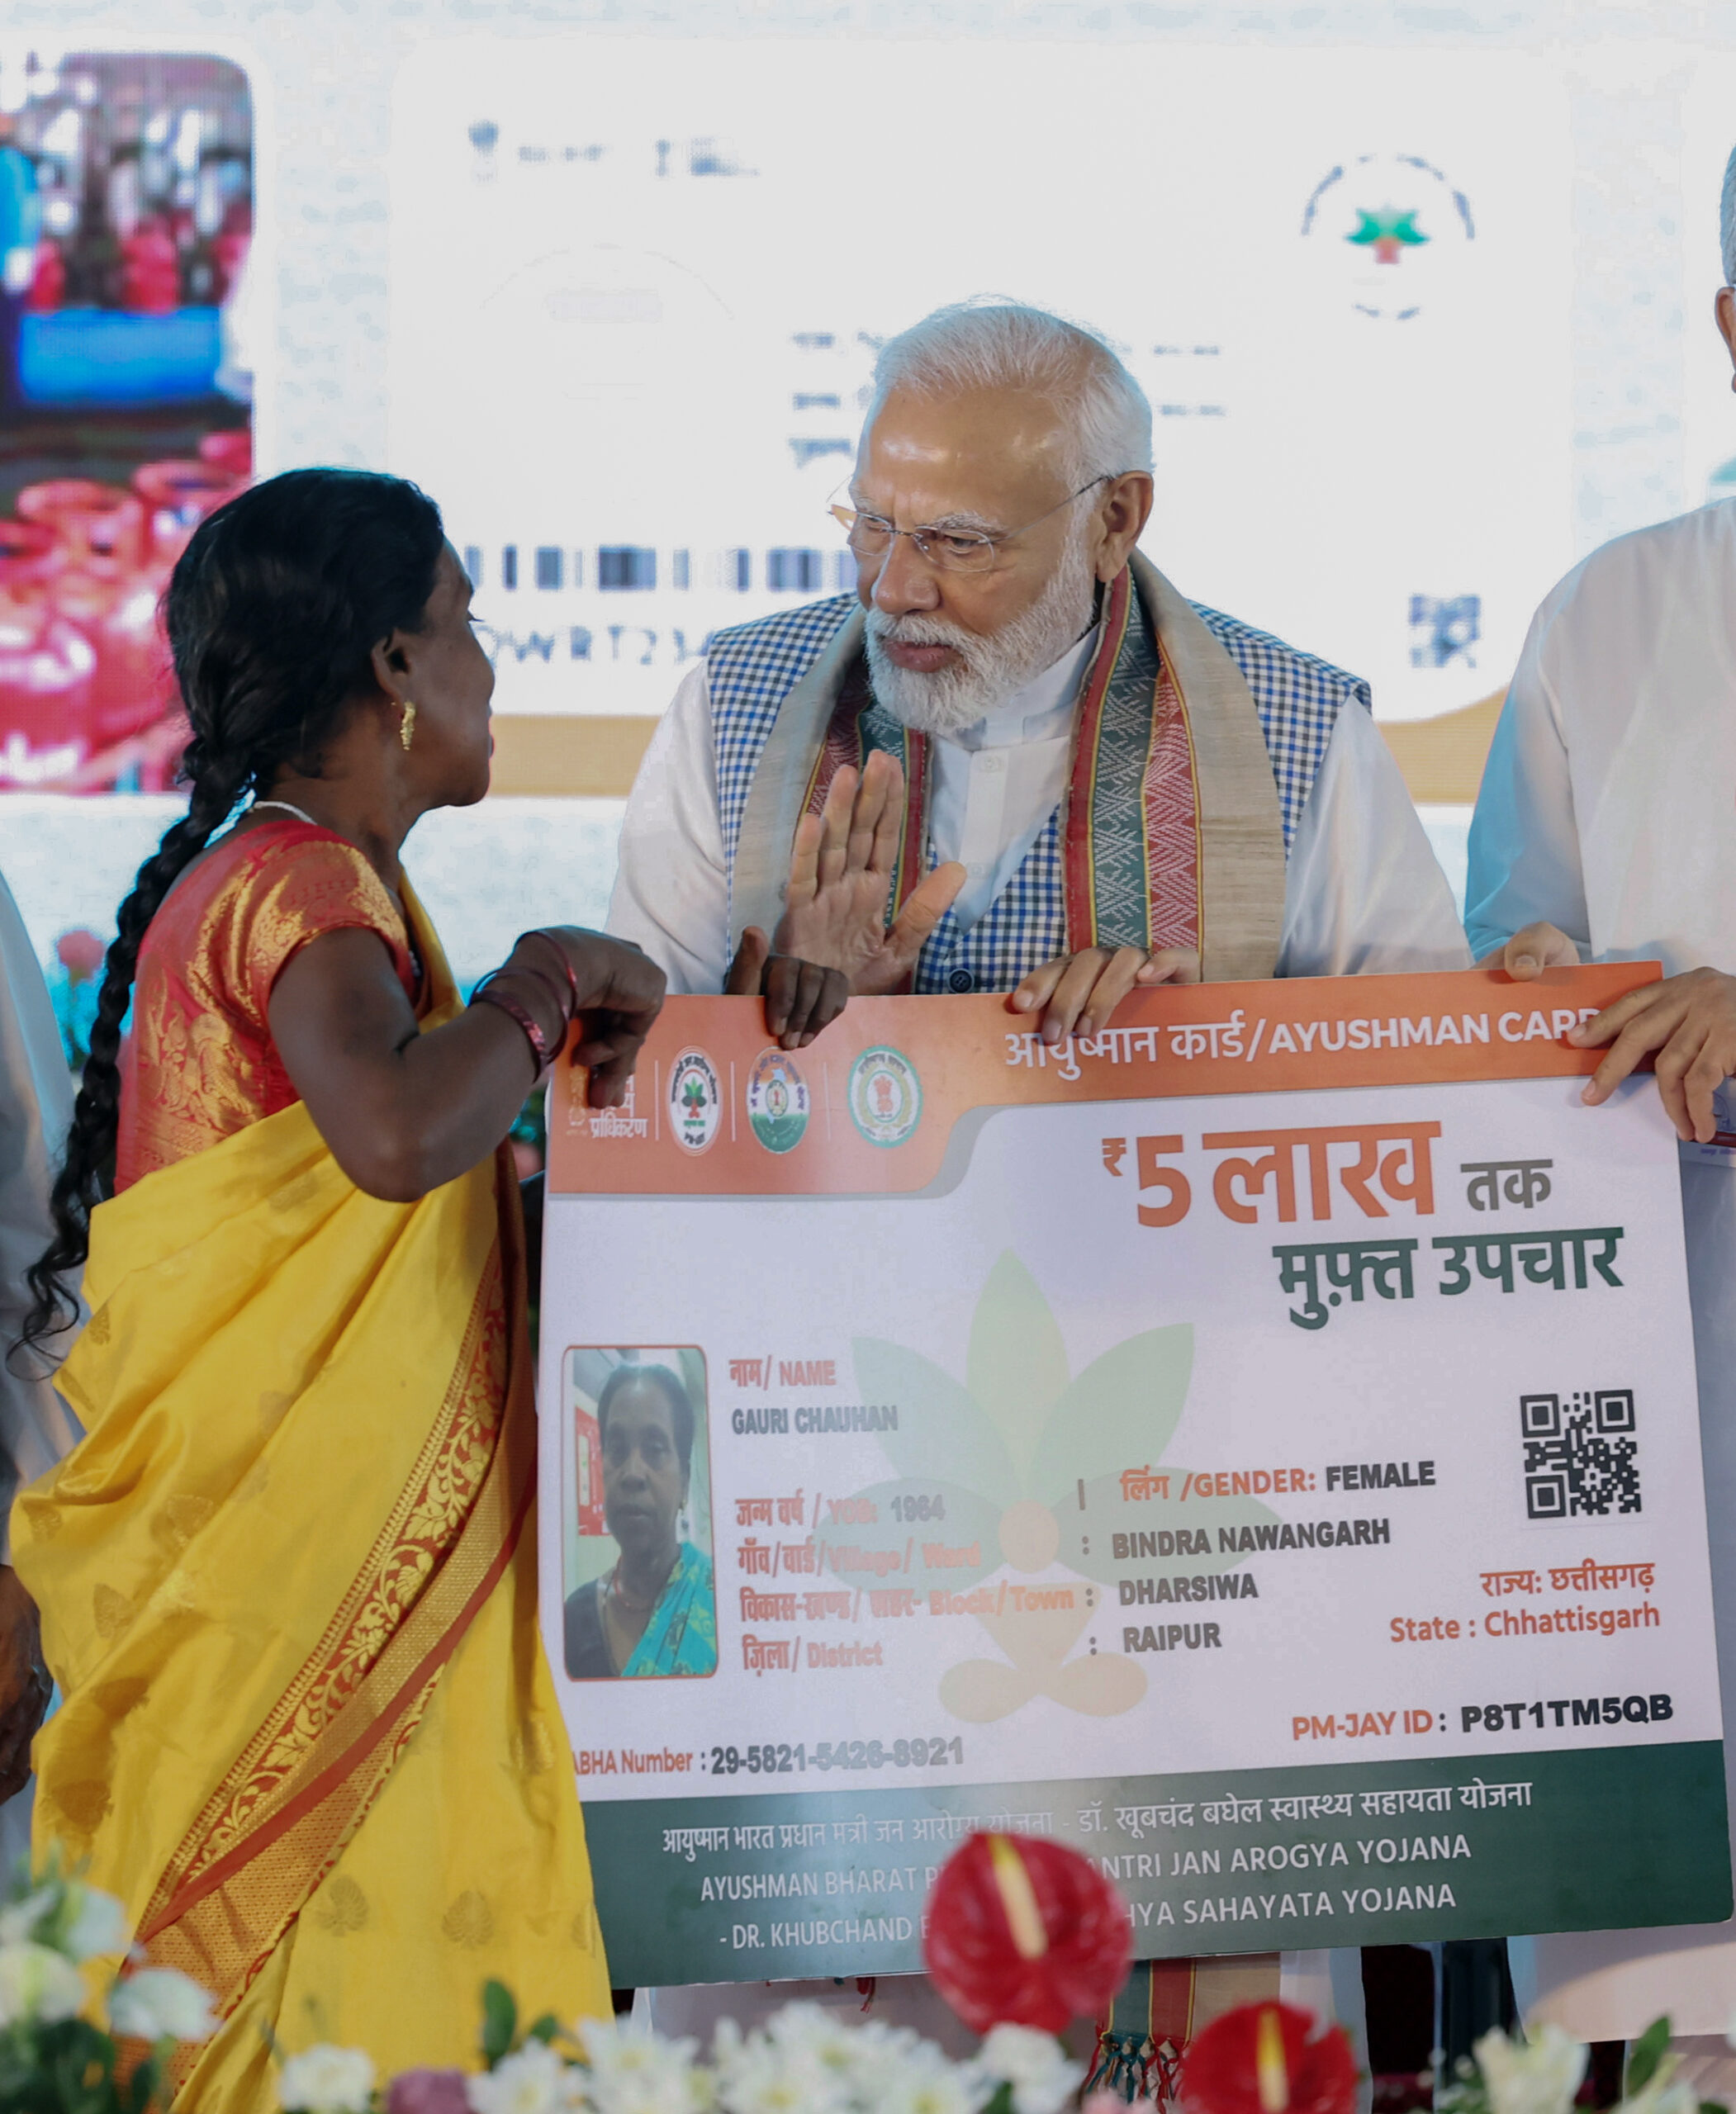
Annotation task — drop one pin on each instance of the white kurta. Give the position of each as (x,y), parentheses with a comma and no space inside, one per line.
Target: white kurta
(36,1428)
(1365,891)
(1606,807)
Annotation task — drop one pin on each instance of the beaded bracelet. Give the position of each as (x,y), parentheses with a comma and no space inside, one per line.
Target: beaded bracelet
(485,994)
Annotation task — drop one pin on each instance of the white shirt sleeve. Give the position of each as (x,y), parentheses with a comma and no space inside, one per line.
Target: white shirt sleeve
(36,1427)
(671,890)
(1524,861)
(1365,893)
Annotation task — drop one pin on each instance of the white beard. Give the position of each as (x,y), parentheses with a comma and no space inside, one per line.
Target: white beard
(990,668)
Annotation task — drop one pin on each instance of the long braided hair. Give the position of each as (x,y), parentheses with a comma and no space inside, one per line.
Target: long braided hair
(273,612)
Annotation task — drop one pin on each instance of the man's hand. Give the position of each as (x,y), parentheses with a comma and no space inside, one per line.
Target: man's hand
(801,997)
(841,876)
(1527,954)
(1690,1023)
(1078,992)
(25,1687)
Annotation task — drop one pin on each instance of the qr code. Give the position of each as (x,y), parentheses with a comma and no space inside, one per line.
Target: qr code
(1581,1456)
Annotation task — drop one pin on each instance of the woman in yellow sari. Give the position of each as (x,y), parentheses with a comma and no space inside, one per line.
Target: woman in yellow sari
(288,1581)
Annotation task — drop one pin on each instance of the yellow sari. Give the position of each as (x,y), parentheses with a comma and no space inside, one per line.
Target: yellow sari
(289,1591)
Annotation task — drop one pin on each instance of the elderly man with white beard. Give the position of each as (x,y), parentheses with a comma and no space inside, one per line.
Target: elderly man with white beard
(1054,772)
(1018,760)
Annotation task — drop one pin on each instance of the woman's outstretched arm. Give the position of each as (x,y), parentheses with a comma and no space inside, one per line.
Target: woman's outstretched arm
(403,1112)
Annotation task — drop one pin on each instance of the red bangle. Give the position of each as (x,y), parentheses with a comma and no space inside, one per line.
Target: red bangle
(539,978)
(485,995)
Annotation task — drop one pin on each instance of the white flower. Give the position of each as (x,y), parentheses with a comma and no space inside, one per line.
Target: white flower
(1538,2076)
(19,1919)
(805,2059)
(920,2080)
(38,1982)
(759,2079)
(534,2080)
(632,2071)
(93,1922)
(328,2080)
(1039,2069)
(161,2003)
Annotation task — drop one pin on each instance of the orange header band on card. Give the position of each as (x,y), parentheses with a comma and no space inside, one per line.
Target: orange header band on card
(715,1109)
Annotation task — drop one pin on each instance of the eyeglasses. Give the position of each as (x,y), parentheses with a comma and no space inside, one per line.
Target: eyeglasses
(949,549)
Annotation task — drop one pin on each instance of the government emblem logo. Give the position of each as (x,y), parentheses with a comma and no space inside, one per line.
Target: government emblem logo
(777,1102)
(1390,231)
(885,1096)
(695,1103)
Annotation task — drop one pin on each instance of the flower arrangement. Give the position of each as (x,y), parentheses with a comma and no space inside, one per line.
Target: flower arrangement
(62,2017)
(1024,1935)
(803,2061)
(1541,2074)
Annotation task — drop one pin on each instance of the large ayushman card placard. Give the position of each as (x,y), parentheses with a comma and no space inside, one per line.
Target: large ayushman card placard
(1257,1444)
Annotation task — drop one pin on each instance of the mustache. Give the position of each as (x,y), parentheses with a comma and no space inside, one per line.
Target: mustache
(917,630)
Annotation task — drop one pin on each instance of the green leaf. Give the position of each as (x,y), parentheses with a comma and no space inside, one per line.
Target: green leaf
(942,1435)
(1121,1412)
(1001,2103)
(1645,2054)
(546,2029)
(142,2092)
(1017,1366)
(499,2022)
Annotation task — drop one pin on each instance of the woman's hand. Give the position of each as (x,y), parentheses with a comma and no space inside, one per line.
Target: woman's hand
(801,997)
(403,1112)
(615,992)
(840,878)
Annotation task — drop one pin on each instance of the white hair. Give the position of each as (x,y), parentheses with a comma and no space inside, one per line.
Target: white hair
(1001,344)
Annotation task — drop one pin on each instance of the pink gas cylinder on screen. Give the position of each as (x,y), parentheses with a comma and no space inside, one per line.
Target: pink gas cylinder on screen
(232,450)
(230,251)
(108,587)
(150,270)
(88,519)
(116,610)
(47,665)
(48,280)
(178,495)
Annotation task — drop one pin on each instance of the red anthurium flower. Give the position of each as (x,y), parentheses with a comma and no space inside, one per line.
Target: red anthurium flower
(1259,2059)
(1024,1931)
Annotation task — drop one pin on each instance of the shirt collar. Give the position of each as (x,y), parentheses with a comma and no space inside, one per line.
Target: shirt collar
(1039,712)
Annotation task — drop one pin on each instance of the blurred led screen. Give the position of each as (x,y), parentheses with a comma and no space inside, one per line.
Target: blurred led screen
(637,285)
(126,216)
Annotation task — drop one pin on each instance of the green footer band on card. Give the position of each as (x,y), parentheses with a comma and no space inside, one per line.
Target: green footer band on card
(794,1883)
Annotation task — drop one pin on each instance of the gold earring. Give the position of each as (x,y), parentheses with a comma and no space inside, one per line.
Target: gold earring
(407,725)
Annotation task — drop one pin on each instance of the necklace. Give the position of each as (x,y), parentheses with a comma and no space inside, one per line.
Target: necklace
(301,814)
(634,1607)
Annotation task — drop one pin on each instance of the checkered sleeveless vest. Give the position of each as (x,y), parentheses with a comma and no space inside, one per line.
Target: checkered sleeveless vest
(752,668)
